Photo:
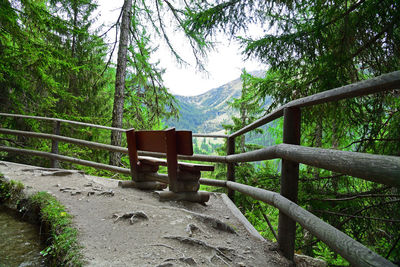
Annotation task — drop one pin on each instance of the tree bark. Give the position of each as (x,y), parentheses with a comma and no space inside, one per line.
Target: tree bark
(117,115)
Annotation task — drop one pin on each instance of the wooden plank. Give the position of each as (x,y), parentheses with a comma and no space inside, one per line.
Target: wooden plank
(356,253)
(154,141)
(153,161)
(184,143)
(133,155)
(195,167)
(198,157)
(172,159)
(181,165)
(289,182)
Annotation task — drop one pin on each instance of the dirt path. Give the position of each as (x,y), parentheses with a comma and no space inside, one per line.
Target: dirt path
(155,233)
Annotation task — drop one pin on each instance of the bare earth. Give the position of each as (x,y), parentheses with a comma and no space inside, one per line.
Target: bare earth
(173,234)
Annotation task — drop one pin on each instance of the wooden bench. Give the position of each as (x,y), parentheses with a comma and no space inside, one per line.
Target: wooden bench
(183,178)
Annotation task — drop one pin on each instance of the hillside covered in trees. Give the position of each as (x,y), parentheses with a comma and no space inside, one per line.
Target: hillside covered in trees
(54,62)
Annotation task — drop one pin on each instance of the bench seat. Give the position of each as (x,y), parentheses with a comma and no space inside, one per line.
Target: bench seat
(181,165)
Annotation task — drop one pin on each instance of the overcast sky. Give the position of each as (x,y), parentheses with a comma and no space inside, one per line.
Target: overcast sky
(223,65)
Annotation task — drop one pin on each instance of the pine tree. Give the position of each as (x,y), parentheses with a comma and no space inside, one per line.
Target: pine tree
(313,46)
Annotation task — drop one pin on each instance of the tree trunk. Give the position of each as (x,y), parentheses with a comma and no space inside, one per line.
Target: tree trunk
(118,108)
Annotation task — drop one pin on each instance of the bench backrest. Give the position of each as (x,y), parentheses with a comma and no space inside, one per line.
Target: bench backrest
(167,141)
(156,141)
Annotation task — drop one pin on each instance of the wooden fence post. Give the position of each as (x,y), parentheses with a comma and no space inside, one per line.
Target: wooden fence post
(230,173)
(289,181)
(54,145)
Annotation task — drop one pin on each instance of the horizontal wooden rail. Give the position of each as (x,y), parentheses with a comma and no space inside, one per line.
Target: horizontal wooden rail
(61,120)
(210,135)
(377,168)
(66,140)
(213,182)
(375,85)
(67,159)
(353,251)
(96,125)
(194,157)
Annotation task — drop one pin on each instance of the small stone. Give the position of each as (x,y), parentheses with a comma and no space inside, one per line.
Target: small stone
(189,261)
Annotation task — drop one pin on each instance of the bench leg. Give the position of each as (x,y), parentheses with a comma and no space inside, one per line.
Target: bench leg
(148,185)
(199,197)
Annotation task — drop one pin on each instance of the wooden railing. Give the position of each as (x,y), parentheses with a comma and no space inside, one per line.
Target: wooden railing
(376,168)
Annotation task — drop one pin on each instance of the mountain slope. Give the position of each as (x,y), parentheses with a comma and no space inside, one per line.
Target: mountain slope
(207,112)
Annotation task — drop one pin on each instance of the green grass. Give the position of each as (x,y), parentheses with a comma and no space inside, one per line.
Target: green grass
(62,248)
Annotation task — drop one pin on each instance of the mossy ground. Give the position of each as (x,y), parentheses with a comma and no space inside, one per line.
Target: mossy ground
(61,237)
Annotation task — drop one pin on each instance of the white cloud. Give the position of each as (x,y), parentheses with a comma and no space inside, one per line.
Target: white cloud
(223,65)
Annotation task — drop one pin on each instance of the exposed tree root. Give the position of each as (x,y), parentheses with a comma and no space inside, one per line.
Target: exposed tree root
(133,217)
(67,189)
(107,193)
(62,173)
(40,169)
(192,228)
(53,171)
(197,242)
(213,222)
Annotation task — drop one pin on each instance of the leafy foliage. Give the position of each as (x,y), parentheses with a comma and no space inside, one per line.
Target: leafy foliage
(312,47)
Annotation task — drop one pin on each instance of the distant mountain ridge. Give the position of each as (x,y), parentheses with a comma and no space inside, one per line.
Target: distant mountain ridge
(207,112)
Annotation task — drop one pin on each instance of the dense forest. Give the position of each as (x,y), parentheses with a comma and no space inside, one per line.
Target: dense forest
(54,62)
